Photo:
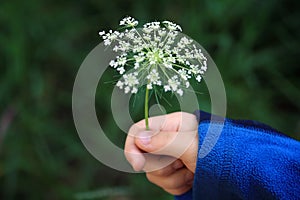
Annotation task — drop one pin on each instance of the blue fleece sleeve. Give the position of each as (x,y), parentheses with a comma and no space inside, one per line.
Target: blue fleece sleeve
(249,161)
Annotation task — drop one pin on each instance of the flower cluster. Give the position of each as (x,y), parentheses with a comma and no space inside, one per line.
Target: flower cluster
(157,54)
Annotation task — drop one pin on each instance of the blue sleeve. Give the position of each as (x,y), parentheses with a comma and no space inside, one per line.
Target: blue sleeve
(249,161)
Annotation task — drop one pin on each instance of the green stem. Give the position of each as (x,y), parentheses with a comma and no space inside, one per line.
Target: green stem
(146,108)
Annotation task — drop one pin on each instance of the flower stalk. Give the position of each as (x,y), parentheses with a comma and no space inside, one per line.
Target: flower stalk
(147,109)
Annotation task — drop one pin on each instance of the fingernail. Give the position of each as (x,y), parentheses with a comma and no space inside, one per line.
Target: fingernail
(145,137)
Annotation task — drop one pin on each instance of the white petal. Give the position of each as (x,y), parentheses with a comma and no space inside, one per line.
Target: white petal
(187,84)
(101,33)
(127,89)
(180,92)
(120,84)
(134,90)
(167,88)
(198,78)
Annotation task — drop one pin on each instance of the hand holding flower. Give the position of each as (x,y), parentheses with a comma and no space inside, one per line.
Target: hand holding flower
(175,142)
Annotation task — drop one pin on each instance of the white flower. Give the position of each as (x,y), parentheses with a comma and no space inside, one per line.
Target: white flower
(167,88)
(194,69)
(147,37)
(121,61)
(127,89)
(130,83)
(185,41)
(134,90)
(113,64)
(180,92)
(121,70)
(204,68)
(198,78)
(187,84)
(109,37)
(101,33)
(156,55)
(120,84)
(162,32)
(152,26)
(140,57)
(153,78)
(129,21)
(131,79)
(174,83)
(136,65)
(147,30)
(183,74)
(172,26)
(130,34)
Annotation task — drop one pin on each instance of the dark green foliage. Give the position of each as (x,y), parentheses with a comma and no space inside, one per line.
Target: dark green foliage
(255,44)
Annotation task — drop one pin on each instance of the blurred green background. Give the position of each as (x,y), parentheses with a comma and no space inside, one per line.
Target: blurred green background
(255,44)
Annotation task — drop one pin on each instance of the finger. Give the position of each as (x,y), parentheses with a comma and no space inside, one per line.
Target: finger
(174,144)
(168,170)
(133,154)
(161,165)
(156,162)
(180,178)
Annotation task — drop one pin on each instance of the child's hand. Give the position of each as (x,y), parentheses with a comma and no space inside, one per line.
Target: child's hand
(172,145)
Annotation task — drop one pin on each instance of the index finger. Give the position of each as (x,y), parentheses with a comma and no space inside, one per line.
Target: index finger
(132,153)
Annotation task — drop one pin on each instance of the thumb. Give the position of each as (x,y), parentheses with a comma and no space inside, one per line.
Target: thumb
(176,144)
